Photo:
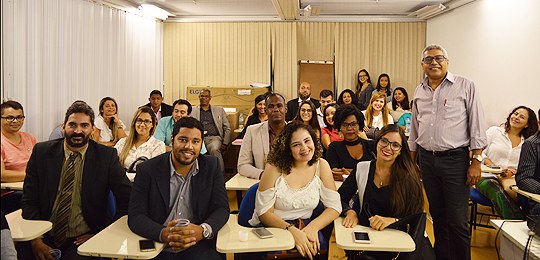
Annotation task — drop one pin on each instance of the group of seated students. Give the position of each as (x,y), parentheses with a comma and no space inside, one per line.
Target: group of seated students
(297,149)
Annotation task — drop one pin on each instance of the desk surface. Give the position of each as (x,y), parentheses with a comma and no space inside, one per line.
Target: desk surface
(516,231)
(240,182)
(12,185)
(228,239)
(117,241)
(388,240)
(25,230)
(533,196)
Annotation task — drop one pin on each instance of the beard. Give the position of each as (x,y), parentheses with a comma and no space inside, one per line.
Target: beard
(72,141)
(184,161)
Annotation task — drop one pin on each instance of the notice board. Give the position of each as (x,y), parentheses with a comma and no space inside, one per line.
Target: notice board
(320,74)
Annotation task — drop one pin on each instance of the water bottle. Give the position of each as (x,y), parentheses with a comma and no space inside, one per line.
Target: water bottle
(408,125)
(241,121)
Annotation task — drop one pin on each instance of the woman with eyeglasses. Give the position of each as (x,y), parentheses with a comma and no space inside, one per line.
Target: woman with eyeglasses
(108,128)
(344,155)
(16,145)
(307,115)
(364,90)
(384,87)
(392,190)
(140,144)
(400,104)
(503,150)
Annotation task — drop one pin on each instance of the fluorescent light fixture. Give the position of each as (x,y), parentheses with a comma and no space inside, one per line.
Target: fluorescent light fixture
(154,11)
(429,11)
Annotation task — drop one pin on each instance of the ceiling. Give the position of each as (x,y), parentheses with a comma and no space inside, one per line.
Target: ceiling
(285,10)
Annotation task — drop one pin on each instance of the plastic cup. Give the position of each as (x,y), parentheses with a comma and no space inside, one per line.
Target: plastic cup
(243,236)
(56,253)
(183,222)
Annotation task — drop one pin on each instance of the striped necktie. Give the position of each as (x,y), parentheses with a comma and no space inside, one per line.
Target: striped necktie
(63,213)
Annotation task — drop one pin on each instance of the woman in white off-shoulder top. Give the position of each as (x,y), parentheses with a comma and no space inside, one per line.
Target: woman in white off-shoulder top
(294,181)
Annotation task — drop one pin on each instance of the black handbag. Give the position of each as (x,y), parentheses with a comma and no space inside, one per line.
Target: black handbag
(133,167)
(371,133)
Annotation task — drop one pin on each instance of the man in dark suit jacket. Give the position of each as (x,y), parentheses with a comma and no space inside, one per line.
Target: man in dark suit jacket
(156,104)
(181,184)
(96,171)
(304,93)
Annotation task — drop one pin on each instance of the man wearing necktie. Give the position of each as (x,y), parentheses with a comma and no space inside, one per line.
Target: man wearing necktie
(68,182)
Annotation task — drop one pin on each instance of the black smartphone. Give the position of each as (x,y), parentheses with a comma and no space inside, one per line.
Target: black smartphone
(361,237)
(146,245)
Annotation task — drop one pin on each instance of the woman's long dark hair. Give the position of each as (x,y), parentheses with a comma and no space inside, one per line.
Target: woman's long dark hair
(405,185)
(313,122)
(358,83)
(404,103)
(328,125)
(258,99)
(532,125)
(388,87)
(280,155)
(353,96)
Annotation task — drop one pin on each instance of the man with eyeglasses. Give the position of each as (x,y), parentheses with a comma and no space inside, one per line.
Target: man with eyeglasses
(182,185)
(447,123)
(259,138)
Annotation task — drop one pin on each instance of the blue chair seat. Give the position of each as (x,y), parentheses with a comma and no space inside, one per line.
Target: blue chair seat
(477,197)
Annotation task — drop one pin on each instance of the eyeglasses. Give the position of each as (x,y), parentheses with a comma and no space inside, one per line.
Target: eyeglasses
(140,121)
(351,125)
(13,118)
(395,146)
(304,110)
(429,59)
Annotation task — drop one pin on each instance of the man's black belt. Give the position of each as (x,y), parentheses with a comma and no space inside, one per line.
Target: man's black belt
(449,152)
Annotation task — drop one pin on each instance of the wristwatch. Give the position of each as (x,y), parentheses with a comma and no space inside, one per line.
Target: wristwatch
(478,157)
(205,231)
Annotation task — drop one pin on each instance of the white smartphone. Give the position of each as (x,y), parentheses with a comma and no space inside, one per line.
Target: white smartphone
(262,232)
(361,237)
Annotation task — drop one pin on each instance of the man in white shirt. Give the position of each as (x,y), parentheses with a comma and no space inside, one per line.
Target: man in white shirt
(326,97)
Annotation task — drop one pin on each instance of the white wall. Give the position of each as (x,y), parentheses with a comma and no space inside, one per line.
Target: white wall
(495,43)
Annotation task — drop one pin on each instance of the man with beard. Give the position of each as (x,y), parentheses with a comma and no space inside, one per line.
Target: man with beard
(68,182)
(252,157)
(304,93)
(183,185)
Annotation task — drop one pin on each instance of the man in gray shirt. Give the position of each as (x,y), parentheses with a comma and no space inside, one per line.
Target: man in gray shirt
(447,122)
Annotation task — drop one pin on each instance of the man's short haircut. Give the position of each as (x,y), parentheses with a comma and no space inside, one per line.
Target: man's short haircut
(187,122)
(274,94)
(326,93)
(156,92)
(80,107)
(183,102)
(13,104)
(206,89)
(434,47)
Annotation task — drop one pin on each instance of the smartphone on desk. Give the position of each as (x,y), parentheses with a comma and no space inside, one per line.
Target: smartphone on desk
(262,232)
(494,167)
(146,245)
(361,237)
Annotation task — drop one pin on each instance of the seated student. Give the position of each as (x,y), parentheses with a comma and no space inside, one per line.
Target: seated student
(377,115)
(344,155)
(68,182)
(181,184)
(528,171)
(326,98)
(259,114)
(330,133)
(181,108)
(347,97)
(294,182)
(159,108)
(306,115)
(363,89)
(383,87)
(259,138)
(503,149)
(140,143)
(392,190)
(8,248)
(108,128)
(399,104)
(16,149)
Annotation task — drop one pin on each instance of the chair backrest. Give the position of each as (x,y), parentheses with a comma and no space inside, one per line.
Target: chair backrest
(247,206)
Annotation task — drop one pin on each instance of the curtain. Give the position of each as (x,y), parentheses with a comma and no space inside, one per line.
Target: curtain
(57,51)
